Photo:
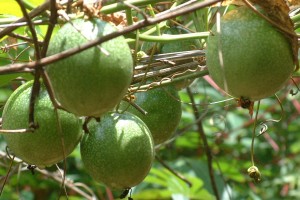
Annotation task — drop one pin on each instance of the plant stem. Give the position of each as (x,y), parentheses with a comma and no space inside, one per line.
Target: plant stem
(253,134)
(122,6)
(171,38)
(205,143)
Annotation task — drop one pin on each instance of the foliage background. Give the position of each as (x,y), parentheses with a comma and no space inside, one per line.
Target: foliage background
(228,130)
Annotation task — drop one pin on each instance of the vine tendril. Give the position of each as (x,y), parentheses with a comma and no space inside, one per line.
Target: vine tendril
(292,92)
(264,125)
(253,171)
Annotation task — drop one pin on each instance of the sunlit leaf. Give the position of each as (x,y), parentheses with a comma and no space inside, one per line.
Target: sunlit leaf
(10,7)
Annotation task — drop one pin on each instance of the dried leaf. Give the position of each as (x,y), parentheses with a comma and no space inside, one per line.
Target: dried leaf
(294,2)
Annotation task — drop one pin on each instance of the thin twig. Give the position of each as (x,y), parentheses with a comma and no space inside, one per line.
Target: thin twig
(21,37)
(68,183)
(205,144)
(7,174)
(74,186)
(63,148)
(36,85)
(46,80)
(172,171)
(31,29)
(52,22)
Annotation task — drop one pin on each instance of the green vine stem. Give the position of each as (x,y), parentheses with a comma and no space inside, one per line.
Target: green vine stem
(171,38)
(121,6)
(253,171)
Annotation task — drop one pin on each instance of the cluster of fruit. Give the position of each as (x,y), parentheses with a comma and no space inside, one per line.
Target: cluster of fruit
(119,149)
(118,145)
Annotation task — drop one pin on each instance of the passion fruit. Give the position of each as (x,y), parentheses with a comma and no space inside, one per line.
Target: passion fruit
(118,151)
(248,57)
(163,109)
(53,140)
(92,82)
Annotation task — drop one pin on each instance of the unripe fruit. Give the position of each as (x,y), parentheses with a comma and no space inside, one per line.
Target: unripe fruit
(248,57)
(118,151)
(48,144)
(92,82)
(163,109)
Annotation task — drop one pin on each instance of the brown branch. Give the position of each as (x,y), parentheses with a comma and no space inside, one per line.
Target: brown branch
(52,22)
(36,85)
(31,29)
(205,143)
(74,186)
(128,29)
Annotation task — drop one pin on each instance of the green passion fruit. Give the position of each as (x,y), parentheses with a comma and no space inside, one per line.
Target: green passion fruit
(163,111)
(92,82)
(118,151)
(248,57)
(55,137)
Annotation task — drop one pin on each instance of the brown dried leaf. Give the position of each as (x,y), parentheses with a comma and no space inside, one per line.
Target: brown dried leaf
(294,2)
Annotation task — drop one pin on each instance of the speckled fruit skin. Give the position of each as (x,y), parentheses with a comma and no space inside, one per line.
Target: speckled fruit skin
(118,151)
(43,147)
(163,109)
(90,83)
(249,58)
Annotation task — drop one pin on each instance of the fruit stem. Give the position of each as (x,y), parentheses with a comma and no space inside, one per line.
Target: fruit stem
(253,133)
(129,17)
(136,106)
